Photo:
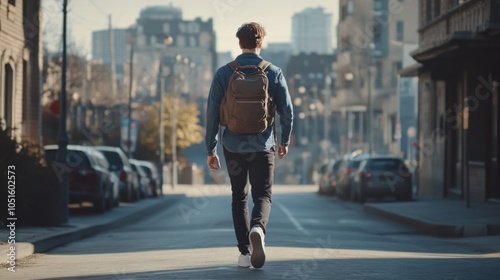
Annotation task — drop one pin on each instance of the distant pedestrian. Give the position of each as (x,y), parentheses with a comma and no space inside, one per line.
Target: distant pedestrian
(243,97)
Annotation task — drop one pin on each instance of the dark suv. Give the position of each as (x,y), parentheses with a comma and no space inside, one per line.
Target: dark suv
(88,178)
(119,164)
(382,176)
(346,174)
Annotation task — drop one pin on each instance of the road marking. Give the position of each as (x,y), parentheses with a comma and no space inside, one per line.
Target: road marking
(292,219)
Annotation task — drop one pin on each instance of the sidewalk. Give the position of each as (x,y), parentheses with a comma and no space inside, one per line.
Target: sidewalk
(30,240)
(442,217)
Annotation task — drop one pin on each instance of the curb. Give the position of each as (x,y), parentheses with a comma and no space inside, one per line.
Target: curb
(435,229)
(439,230)
(44,244)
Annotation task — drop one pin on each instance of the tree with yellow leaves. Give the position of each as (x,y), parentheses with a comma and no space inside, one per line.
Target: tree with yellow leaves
(188,128)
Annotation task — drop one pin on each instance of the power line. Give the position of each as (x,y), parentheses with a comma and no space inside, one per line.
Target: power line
(97,8)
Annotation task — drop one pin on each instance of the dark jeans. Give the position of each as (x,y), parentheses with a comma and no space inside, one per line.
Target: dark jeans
(259,169)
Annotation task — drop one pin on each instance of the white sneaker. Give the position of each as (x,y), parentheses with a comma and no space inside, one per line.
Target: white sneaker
(244,260)
(256,237)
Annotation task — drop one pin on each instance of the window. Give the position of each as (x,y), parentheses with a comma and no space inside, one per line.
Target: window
(396,66)
(428,10)
(437,8)
(181,41)
(166,28)
(379,75)
(12,2)
(399,30)
(377,5)
(8,95)
(347,10)
(350,7)
(377,29)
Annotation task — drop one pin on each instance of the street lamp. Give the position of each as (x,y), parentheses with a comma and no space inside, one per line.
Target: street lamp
(167,41)
(369,51)
(128,144)
(63,133)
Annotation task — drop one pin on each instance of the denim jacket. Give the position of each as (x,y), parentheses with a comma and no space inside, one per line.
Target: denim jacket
(238,143)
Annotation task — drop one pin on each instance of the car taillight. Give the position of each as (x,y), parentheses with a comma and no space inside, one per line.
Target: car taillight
(366,175)
(123,176)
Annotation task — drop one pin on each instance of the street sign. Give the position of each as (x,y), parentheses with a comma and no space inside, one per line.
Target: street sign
(129,144)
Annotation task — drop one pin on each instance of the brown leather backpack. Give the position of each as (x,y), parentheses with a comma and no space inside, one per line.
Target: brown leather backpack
(247,107)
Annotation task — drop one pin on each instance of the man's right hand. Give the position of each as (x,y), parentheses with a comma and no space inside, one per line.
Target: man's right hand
(213,162)
(282,151)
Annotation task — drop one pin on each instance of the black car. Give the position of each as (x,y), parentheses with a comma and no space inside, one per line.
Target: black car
(328,173)
(88,176)
(382,176)
(142,177)
(155,188)
(346,174)
(120,165)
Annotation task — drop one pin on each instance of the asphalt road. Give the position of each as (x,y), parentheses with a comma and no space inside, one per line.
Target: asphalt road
(309,237)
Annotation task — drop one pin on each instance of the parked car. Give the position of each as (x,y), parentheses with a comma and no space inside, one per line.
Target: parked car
(88,175)
(346,174)
(120,165)
(382,176)
(154,177)
(143,178)
(328,173)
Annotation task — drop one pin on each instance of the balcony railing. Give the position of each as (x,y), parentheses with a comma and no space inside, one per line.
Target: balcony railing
(473,16)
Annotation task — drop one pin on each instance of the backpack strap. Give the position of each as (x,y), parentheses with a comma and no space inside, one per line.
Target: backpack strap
(234,65)
(263,65)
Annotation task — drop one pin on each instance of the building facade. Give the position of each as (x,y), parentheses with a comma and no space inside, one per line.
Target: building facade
(459,102)
(279,54)
(192,40)
(101,47)
(20,67)
(312,31)
(371,38)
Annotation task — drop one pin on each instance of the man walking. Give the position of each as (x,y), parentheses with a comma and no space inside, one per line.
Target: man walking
(249,152)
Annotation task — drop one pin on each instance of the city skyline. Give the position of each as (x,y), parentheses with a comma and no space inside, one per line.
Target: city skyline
(84,17)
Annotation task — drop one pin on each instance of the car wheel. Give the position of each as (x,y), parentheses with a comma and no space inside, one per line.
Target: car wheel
(100,202)
(354,195)
(109,200)
(405,197)
(346,193)
(362,194)
(320,191)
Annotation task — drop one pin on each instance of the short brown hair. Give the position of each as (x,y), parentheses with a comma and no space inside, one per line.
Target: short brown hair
(250,35)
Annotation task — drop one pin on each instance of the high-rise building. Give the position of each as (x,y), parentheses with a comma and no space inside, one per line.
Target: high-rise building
(185,49)
(278,54)
(101,47)
(312,31)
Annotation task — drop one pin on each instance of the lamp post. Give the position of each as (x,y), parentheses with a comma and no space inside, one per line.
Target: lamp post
(128,144)
(174,130)
(167,41)
(369,50)
(63,134)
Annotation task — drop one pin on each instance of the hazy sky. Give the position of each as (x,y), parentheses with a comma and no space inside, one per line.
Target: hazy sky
(86,16)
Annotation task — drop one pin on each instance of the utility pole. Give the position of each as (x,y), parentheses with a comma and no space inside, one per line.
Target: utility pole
(130,87)
(63,134)
(174,134)
(160,87)
(113,59)
(370,105)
